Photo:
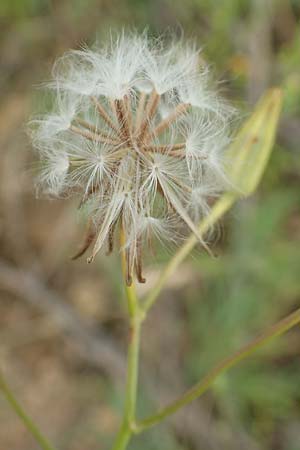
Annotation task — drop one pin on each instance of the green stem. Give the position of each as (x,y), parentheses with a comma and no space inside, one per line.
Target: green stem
(128,423)
(198,389)
(219,209)
(27,421)
(132,371)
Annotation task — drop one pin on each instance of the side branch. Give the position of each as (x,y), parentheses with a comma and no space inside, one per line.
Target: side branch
(200,388)
(27,421)
(218,210)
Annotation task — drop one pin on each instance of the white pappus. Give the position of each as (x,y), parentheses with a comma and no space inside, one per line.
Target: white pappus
(138,132)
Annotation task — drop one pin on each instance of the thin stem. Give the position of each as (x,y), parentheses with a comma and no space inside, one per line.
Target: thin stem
(198,389)
(218,210)
(27,421)
(132,376)
(128,423)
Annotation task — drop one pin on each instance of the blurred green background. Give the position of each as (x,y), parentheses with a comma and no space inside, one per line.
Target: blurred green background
(62,329)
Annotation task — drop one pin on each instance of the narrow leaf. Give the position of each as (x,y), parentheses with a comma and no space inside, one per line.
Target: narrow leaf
(250,151)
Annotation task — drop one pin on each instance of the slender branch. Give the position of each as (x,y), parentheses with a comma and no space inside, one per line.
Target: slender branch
(218,210)
(27,421)
(198,389)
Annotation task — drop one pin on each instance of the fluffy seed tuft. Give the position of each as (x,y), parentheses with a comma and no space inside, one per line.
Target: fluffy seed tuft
(138,132)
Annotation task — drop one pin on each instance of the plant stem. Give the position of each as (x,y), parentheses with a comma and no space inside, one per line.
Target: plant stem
(128,423)
(218,210)
(198,389)
(27,421)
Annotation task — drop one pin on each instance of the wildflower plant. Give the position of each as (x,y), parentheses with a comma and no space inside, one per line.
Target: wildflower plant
(142,138)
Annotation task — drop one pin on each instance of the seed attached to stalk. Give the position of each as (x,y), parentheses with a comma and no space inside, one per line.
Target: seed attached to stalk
(136,169)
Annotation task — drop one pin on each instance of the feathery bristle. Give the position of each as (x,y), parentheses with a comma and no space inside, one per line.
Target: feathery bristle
(137,130)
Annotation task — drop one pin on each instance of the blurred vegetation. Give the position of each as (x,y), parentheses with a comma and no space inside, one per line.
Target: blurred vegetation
(211,306)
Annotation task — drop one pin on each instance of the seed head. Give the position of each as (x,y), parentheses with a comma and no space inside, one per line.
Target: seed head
(140,135)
